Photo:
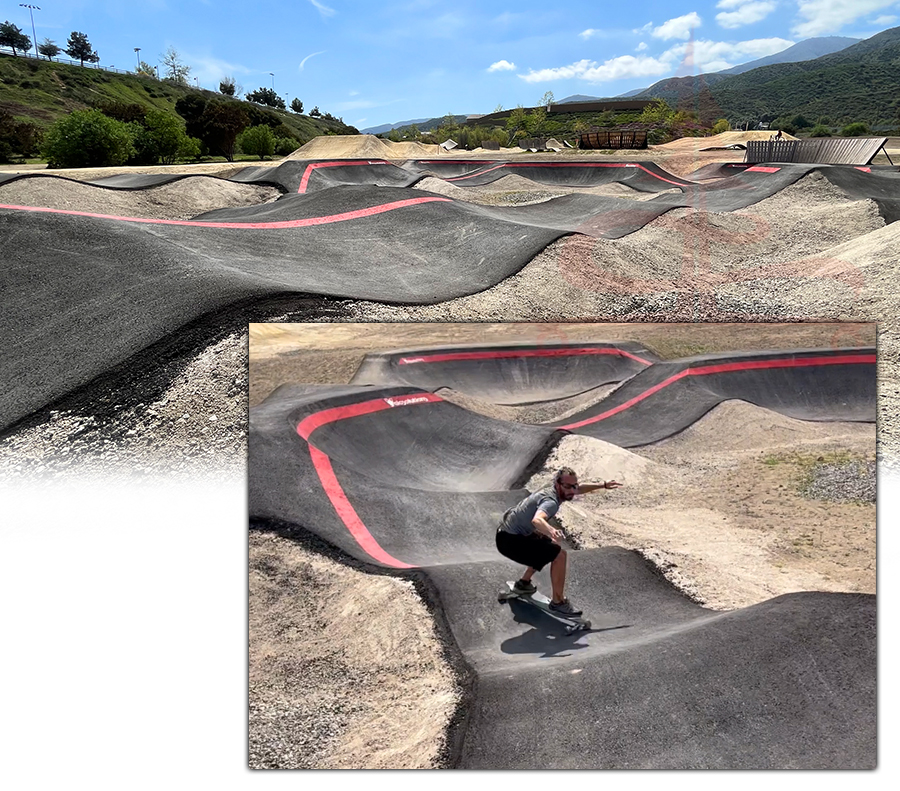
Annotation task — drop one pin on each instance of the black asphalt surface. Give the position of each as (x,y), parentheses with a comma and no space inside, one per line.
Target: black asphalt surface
(522,373)
(398,478)
(82,294)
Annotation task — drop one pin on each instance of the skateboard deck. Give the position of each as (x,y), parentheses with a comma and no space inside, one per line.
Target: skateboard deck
(539,600)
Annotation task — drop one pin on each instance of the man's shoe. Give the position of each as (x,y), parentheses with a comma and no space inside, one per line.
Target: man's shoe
(565,608)
(524,587)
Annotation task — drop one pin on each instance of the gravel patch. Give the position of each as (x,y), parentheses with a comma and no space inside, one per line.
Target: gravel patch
(842,482)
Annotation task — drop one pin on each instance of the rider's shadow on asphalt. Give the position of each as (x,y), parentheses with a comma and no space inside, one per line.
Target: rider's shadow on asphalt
(548,637)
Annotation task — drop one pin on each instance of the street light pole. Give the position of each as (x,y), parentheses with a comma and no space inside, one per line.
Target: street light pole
(272,75)
(31,10)
(137,53)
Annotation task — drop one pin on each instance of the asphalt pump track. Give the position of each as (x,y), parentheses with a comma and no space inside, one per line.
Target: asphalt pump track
(389,473)
(83,293)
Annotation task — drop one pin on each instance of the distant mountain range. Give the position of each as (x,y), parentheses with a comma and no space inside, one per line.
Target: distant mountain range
(809,49)
(380,130)
(858,82)
(831,76)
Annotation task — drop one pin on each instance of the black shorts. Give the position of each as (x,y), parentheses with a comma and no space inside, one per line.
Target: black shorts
(535,550)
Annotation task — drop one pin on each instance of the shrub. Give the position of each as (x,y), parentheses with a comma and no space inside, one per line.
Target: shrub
(191,148)
(285,146)
(858,129)
(258,140)
(720,126)
(87,138)
(820,130)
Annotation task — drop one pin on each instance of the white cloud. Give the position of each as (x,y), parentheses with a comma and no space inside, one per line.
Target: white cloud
(821,17)
(885,20)
(586,34)
(502,65)
(645,29)
(323,9)
(210,70)
(679,27)
(731,3)
(303,62)
(746,14)
(707,56)
(619,68)
(641,47)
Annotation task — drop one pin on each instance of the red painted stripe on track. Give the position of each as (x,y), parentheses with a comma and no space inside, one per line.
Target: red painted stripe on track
(761,169)
(308,222)
(328,479)
(571,165)
(347,513)
(486,355)
(304,180)
(725,368)
(864,170)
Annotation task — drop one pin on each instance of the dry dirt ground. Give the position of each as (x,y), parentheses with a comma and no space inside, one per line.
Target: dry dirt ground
(719,509)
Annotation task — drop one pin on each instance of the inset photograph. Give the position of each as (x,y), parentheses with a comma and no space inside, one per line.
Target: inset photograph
(624,545)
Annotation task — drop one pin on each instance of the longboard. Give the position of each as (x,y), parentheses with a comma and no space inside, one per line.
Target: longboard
(543,603)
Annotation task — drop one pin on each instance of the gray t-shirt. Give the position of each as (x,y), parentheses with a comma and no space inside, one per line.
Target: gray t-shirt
(517,520)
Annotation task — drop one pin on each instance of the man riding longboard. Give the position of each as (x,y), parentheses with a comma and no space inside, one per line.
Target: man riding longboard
(526,536)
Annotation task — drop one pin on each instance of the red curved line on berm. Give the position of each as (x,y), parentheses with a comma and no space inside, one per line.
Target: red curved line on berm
(322,464)
(304,223)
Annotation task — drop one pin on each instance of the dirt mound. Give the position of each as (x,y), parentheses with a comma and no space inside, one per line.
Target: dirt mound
(179,200)
(374,690)
(739,426)
(720,140)
(361,147)
(594,461)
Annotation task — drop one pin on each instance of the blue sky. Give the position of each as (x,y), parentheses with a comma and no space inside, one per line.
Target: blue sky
(388,61)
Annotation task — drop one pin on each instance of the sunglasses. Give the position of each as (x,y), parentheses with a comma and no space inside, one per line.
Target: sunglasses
(568,485)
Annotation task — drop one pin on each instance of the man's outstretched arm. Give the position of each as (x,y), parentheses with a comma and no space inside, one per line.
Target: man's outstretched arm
(585,488)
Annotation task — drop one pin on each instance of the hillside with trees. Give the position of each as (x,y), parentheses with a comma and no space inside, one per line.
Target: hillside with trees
(36,94)
(858,83)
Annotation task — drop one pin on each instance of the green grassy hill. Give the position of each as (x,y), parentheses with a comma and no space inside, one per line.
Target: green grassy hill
(41,91)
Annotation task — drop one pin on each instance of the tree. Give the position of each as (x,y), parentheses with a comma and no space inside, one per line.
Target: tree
(146,70)
(19,137)
(48,49)
(266,96)
(226,86)
(657,113)
(13,37)
(79,48)
(516,120)
(546,100)
(257,140)
(176,70)
(536,120)
(820,130)
(159,137)
(297,105)
(720,126)
(221,123)
(87,138)
(314,113)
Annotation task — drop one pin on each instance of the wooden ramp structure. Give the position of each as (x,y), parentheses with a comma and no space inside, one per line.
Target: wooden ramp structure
(613,138)
(820,150)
